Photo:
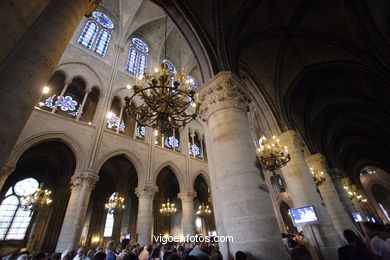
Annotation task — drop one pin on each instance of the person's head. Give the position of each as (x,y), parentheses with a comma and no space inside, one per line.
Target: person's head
(110,245)
(100,256)
(240,255)
(350,236)
(56,256)
(125,243)
(81,251)
(373,229)
(39,256)
(90,254)
(155,252)
(174,257)
(284,235)
(299,253)
(130,256)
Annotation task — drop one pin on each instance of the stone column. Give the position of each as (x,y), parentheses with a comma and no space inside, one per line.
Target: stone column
(4,173)
(243,210)
(336,210)
(303,192)
(28,67)
(145,213)
(188,213)
(82,186)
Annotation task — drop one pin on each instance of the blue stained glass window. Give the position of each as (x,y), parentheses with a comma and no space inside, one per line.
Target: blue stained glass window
(49,102)
(143,61)
(89,33)
(194,150)
(171,67)
(102,42)
(140,132)
(67,103)
(113,121)
(140,45)
(171,142)
(132,60)
(192,83)
(103,20)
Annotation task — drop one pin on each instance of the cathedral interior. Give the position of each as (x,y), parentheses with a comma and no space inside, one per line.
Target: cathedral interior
(310,76)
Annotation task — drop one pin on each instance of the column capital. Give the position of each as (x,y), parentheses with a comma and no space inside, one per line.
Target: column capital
(317,161)
(88,177)
(187,195)
(119,47)
(225,90)
(146,191)
(7,170)
(292,140)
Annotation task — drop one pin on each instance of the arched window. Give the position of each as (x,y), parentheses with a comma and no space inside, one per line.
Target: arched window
(195,146)
(172,139)
(137,60)
(109,225)
(99,25)
(14,221)
(278,184)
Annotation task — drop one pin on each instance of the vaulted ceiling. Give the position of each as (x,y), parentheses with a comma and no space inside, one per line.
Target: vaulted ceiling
(322,66)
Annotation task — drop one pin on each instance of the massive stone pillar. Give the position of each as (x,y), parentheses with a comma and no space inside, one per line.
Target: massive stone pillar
(82,186)
(322,237)
(4,173)
(337,213)
(244,211)
(28,67)
(188,213)
(145,213)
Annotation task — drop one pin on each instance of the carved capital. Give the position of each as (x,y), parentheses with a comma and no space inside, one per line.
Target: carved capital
(292,140)
(223,91)
(317,161)
(7,170)
(187,195)
(146,191)
(92,5)
(88,177)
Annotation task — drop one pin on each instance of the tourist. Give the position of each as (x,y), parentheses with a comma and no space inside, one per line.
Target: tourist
(90,255)
(199,252)
(353,248)
(376,232)
(110,254)
(240,255)
(145,253)
(80,253)
(39,256)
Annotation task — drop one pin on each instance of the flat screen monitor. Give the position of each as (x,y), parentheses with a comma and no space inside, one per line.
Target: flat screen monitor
(304,215)
(357,217)
(127,236)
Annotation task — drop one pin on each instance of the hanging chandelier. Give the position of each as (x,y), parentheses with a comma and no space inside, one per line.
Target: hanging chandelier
(115,204)
(165,101)
(203,210)
(168,209)
(272,156)
(39,200)
(352,194)
(318,177)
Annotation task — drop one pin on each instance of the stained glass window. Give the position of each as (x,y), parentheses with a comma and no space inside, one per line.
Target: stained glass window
(103,20)
(99,25)
(137,60)
(67,103)
(114,121)
(102,42)
(171,142)
(132,60)
(89,33)
(140,45)
(171,69)
(109,225)
(140,132)
(14,221)
(192,83)
(194,150)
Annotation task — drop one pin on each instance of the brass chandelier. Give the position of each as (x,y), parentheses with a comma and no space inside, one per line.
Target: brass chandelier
(358,194)
(39,200)
(168,209)
(115,204)
(165,100)
(203,210)
(272,156)
(318,177)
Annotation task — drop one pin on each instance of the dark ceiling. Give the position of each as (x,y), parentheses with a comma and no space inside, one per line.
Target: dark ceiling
(323,66)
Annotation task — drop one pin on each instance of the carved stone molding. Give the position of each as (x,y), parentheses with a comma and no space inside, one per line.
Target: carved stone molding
(88,177)
(92,5)
(187,195)
(7,170)
(317,161)
(223,91)
(292,140)
(146,191)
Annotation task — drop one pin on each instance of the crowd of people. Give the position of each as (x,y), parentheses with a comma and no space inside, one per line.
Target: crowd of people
(375,246)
